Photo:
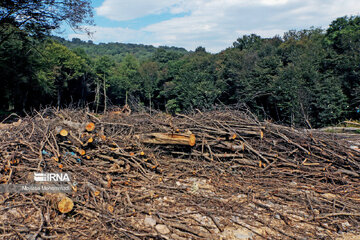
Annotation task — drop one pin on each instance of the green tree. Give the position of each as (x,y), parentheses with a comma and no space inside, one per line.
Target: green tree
(192,83)
(163,56)
(343,38)
(234,67)
(88,79)
(247,42)
(343,34)
(149,74)
(329,101)
(36,18)
(103,67)
(17,62)
(264,77)
(59,68)
(302,55)
(126,78)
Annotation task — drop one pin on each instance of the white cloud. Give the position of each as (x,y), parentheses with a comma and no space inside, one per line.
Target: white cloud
(274,2)
(215,24)
(126,10)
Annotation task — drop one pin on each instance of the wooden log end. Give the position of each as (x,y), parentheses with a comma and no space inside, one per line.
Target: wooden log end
(82,152)
(192,140)
(90,127)
(65,205)
(60,202)
(63,132)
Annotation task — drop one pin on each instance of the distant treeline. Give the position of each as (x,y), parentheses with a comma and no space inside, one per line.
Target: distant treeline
(116,50)
(304,78)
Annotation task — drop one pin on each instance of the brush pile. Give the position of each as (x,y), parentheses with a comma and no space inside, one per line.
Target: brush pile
(213,175)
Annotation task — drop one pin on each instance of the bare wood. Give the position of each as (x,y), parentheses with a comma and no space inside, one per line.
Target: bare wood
(167,138)
(60,202)
(218,155)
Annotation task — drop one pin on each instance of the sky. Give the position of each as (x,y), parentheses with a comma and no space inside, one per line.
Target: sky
(213,24)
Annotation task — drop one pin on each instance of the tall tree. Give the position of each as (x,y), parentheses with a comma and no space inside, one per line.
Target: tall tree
(60,67)
(102,68)
(343,37)
(192,83)
(247,42)
(149,73)
(126,78)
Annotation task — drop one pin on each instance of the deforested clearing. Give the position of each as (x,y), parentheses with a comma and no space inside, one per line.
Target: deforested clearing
(220,174)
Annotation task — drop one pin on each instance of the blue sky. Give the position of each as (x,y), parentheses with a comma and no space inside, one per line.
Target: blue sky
(213,24)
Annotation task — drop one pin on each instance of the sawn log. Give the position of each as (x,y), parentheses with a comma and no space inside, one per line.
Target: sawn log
(167,138)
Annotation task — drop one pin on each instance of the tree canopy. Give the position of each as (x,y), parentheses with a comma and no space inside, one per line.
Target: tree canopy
(305,78)
(38,17)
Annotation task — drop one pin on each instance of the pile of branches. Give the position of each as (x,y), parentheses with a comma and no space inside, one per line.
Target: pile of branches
(212,175)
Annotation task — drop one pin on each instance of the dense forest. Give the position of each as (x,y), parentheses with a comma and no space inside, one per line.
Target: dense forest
(305,78)
(116,50)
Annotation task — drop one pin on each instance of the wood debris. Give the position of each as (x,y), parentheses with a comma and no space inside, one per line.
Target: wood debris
(207,175)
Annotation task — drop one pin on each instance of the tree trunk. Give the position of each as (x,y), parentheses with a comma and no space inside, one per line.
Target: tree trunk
(83,89)
(126,98)
(105,99)
(58,97)
(150,102)
(97,97)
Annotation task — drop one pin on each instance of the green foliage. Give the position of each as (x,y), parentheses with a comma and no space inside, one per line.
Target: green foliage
(192,83)
(305,78)
(248,42)
(126,79)
(343,38)
(59,68)
(37,18)
(163,56)
(118,51)
(329,103)
(344,34)
(103,66)
(149,79)
(17,63)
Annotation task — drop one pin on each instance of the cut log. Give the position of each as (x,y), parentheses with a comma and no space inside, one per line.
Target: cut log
(63,132)
(168,138)
(90,127)
(60,202)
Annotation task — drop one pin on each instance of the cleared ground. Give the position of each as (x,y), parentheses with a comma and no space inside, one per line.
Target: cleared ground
(137,177)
